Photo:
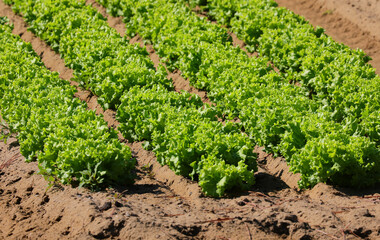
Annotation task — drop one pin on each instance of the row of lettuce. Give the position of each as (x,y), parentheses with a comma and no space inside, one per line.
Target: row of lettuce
(184,133)
(321,111)
(331,72)
(69,142)
(327,130)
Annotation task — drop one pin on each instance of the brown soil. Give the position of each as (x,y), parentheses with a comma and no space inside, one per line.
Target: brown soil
(162,205)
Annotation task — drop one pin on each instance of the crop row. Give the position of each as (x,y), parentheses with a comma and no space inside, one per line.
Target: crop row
(69,142)
(334,75)
(327,128)
(183,131)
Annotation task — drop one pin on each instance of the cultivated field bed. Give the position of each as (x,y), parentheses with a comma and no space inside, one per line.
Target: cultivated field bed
(163,205)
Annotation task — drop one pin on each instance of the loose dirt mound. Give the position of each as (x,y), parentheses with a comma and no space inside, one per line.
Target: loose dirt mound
(162,205)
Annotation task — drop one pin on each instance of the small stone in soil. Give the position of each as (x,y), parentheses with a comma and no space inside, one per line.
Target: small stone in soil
(292,218)
(45,199)
(118,204)
(106,206)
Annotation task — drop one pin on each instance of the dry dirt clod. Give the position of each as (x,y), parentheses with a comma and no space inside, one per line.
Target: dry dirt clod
(241,203)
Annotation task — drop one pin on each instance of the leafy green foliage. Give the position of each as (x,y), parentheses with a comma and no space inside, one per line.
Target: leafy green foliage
(213,170)
(336,98)
(69,142)
(5,21)
(336,91)
(102,61)
(345,160)
(334,74)
(183,132)
(179,128)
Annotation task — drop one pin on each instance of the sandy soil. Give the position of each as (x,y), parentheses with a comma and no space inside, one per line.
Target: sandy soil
(162,205)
